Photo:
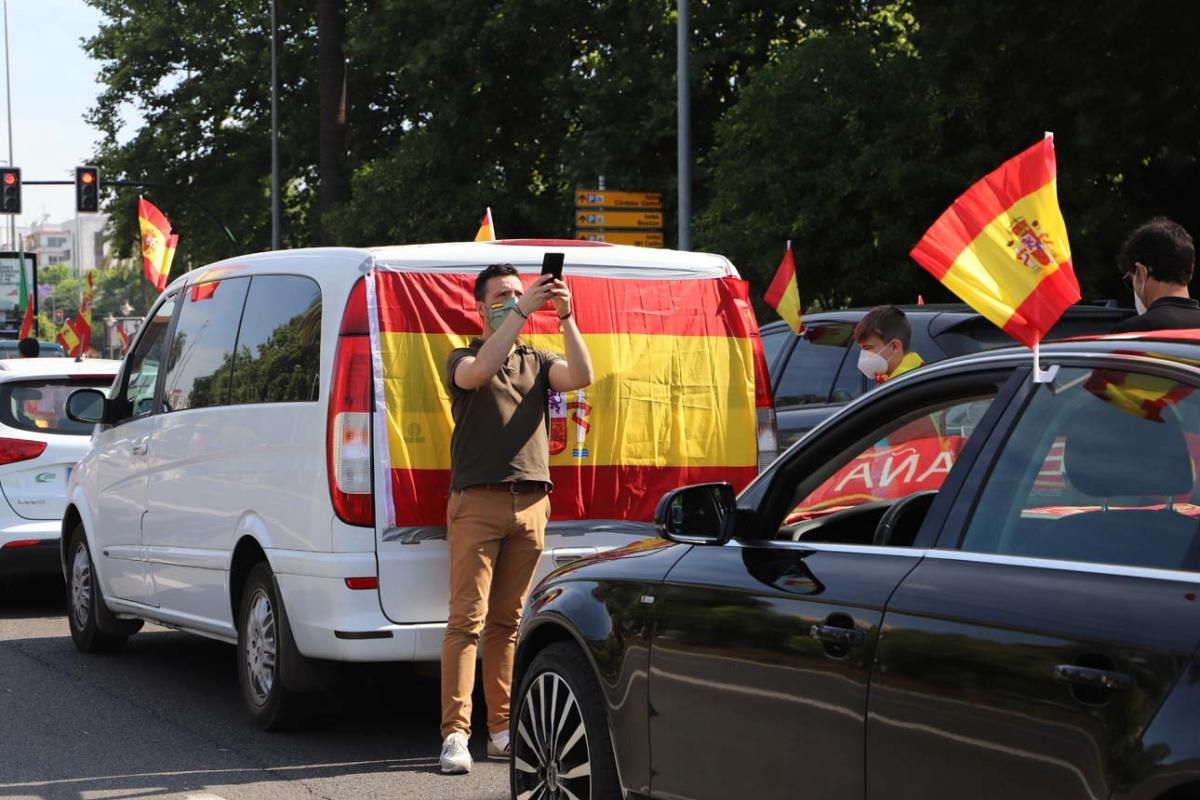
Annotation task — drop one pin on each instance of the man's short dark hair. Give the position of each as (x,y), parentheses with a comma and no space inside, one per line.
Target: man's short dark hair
(29,347)
(489,272)
(1164,247)
(886,322)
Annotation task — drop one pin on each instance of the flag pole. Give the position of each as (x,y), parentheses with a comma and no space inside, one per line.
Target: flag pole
(1042,375)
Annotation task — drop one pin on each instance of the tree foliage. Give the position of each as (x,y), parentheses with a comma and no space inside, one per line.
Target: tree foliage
(846,126)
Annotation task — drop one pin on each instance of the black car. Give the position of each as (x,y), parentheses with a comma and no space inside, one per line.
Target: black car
(815,374)
(966,584)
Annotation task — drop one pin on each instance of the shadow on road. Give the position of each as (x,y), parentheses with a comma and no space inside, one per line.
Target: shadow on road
(30,598)
(164,717)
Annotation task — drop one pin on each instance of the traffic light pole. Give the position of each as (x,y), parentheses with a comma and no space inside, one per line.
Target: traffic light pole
(237,247)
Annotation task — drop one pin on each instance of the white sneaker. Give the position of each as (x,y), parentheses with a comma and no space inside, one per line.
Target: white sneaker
(456,759)
(498,746)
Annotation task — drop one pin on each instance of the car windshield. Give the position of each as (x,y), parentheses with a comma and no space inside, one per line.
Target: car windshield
(40,405)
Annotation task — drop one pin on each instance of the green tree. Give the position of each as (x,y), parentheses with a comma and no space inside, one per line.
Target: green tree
(853,144)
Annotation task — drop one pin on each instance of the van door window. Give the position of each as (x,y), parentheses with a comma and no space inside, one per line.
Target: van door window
(136,396)
(201,358)
(279,348)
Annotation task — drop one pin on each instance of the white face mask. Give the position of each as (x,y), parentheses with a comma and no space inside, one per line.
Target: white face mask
(871,364)
(1137,296)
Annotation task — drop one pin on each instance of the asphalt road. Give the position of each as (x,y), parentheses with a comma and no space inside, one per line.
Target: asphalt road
(162,718)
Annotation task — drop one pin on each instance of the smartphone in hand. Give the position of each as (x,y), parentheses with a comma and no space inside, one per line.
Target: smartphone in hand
(552,264)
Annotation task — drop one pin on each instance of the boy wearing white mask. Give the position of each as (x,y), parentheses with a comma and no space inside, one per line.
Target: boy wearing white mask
(884,337)
(1156,262)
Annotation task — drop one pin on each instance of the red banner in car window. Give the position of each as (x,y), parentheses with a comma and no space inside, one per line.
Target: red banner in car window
(888,471)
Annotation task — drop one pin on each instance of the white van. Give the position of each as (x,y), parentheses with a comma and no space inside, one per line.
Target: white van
(221,496)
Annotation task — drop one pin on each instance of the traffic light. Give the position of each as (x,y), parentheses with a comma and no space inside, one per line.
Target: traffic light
(10,190)
(87,190)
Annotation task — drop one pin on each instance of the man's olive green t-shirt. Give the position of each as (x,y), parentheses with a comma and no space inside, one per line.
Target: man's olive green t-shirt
(500,430)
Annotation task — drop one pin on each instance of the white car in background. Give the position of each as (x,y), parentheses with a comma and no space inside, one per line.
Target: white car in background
(39,446)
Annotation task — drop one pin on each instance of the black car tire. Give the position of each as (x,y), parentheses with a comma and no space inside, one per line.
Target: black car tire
(263,648)
(94,629)
(582,747)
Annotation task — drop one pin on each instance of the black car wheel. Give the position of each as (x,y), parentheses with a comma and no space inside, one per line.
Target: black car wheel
(560,744)
(261,651)
(93,628)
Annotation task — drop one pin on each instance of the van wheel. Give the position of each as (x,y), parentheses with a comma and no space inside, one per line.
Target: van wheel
(559,730)
(93,627)
(263,647)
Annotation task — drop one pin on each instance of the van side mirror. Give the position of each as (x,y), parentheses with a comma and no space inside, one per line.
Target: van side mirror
(701,514)
(87,406)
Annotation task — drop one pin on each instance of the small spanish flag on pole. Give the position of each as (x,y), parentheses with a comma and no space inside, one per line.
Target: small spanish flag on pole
(783,294)
(1002,247)
(487,230)
(158,243)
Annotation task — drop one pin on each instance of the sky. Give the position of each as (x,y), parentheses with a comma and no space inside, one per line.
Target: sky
(53,86)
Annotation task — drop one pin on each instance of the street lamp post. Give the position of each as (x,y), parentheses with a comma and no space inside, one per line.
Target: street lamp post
(684,122)
(275,200)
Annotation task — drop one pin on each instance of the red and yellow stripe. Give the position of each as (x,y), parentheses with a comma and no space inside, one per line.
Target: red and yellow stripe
(673,400)
(1002,247)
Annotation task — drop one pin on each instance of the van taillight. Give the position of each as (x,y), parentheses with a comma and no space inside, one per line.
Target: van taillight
(348,448)
(768,437)
(14,450)
(764,403)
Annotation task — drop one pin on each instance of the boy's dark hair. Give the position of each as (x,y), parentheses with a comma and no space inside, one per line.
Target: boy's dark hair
(1164,247)
(489,272)
(886,322)
(29,347)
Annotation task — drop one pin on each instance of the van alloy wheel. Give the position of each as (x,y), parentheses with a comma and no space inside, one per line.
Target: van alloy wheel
(551,756)
(261,646)
(81,585)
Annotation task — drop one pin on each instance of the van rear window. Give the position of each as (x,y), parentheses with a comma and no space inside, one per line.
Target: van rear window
(40,405)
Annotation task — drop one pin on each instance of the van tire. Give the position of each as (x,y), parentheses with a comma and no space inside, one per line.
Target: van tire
(94,629)
(264,648)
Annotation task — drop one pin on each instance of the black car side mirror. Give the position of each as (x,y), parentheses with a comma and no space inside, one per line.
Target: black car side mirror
(87,406)
(701,514)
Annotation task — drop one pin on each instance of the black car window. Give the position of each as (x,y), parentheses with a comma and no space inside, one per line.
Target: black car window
(850,382)
(905,459)
(808,376)
(143,364)
(40,405)
(773,341)
(203,344)
(1098,468)
(279,349)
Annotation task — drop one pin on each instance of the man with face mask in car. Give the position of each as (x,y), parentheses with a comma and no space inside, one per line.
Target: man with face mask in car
(884,337)
(1156,262)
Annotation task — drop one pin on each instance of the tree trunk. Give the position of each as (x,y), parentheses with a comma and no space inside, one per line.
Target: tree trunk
(331,66)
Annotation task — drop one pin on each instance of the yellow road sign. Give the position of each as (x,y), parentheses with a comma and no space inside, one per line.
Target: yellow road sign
(636,238)
(594,198)
(618,219)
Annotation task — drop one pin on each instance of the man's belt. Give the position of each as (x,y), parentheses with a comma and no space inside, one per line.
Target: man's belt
(514,487)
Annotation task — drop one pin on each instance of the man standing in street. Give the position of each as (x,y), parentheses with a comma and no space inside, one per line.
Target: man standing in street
(499,494)
(1156,262)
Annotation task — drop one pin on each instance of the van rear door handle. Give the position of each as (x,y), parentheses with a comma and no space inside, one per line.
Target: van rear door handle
(1093,678)
(140,449)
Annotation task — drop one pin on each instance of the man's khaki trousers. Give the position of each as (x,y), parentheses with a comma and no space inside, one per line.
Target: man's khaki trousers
(495,540)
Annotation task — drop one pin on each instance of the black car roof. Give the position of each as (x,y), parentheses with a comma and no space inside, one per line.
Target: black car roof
(940,317)
(1177,347)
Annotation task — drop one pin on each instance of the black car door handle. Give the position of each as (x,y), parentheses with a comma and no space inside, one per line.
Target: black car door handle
(1094,678)
(832,634)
